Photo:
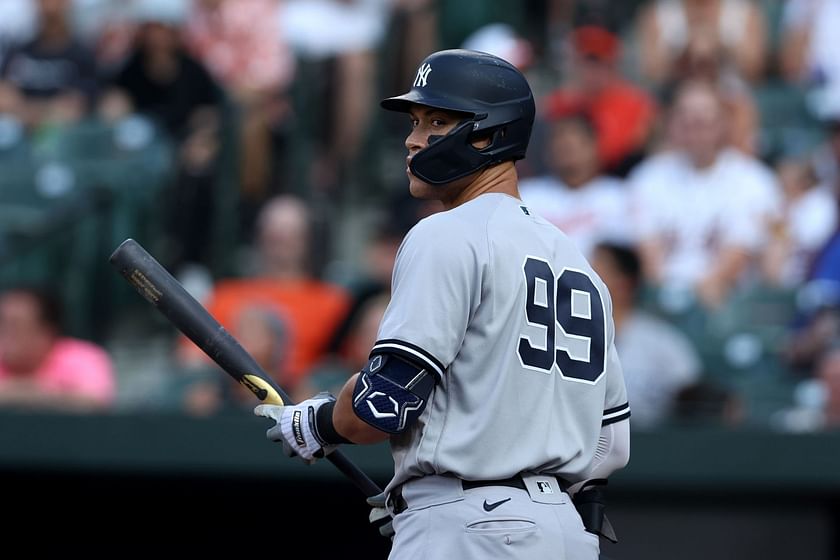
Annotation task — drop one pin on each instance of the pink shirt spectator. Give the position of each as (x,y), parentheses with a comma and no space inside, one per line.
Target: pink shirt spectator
(74,367)
(240,42)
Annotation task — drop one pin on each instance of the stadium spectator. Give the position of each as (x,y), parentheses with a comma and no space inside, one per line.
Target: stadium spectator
(201,390)
(675,32)
(816,399)
(372,280)
(575,196)
(161,80)
(703,59)
(54,72)
(809,52)
(341,38)
(17,24)
(41,367)
(809,217)
(623,114)
(826,159)
(110,27)
(817,325)
(12,105)
(282,283)
(657,359)
(413,31)
(826,263)
(702,208)
(332,373)
(503,41)
(370,276)
(241,43)
(709,403)
(819,331)
(160,77)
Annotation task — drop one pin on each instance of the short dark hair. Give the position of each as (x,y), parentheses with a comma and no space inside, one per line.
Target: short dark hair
(50,308)
(626,259)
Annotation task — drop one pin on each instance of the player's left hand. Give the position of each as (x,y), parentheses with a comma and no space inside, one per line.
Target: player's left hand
(380,517)
(296,429)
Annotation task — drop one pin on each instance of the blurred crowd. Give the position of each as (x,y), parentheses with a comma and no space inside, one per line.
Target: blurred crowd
(690,147)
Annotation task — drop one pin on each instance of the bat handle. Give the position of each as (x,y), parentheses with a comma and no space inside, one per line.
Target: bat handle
(360,479)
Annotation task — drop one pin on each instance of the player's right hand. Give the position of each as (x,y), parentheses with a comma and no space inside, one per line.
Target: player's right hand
(295,427)
(380,517)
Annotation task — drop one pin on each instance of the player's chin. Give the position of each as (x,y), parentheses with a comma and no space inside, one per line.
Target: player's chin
(420,189)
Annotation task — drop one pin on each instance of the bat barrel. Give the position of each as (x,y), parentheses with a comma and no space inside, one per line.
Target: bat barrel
(161,289)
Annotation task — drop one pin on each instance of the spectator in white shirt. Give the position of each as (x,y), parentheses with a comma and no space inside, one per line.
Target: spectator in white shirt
(809,217)
(658,360)
(703,209)
(575,196)
(810,52)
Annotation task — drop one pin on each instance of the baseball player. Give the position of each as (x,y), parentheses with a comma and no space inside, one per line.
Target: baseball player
(494,375)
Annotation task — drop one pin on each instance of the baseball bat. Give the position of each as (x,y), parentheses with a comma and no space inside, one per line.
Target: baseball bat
(161,289)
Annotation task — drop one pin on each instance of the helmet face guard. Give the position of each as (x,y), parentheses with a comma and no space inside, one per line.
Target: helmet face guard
(497,102)
(449,158)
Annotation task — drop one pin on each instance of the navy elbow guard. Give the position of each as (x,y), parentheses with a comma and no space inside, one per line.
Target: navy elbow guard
(391,393)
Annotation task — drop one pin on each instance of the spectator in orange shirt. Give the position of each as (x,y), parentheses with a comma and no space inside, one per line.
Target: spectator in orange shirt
(623,114)
(333,372)
(42,368)
(308,308)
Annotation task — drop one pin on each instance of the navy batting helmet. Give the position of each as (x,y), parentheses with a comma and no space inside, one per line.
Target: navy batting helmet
(497,103)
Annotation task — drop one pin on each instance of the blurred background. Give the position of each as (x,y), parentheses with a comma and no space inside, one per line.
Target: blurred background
(690,147)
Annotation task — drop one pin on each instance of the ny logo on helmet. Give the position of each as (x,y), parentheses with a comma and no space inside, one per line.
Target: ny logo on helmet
(422,75)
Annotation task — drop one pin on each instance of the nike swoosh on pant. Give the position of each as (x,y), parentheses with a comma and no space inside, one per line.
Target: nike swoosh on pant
(494,505)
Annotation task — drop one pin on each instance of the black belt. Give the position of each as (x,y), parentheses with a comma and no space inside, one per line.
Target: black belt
(513,482)
(399,504)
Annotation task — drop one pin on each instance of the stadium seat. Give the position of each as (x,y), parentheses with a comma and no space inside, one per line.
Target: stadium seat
(788,128)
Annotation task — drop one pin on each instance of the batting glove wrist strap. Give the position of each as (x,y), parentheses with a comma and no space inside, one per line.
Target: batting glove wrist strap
(324,426)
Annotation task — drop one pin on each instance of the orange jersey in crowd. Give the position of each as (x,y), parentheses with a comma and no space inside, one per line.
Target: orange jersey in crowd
(311,310)
(623,115)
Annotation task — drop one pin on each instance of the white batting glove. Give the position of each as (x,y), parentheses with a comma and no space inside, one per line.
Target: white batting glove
(296,429)
(380,517)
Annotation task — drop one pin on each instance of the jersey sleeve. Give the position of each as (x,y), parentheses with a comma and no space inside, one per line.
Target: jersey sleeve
(435,290)
(616,406)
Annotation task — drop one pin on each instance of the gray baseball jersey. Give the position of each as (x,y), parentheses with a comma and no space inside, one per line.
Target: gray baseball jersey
(510,317)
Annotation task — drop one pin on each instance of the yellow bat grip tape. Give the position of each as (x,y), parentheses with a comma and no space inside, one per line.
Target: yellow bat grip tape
(261,389)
